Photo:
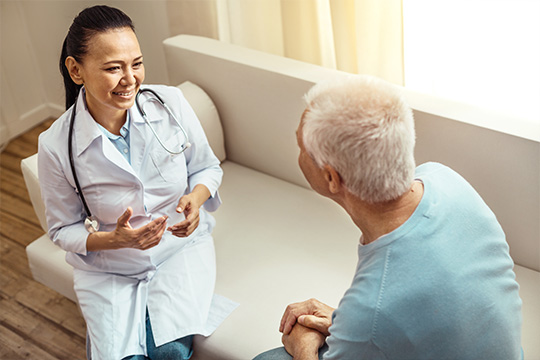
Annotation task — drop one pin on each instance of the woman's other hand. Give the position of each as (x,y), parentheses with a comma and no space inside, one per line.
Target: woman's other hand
(189,205)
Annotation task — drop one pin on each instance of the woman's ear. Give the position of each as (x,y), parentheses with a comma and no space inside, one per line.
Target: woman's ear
(74,69)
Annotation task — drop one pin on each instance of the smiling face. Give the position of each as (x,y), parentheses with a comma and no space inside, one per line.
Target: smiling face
(111,72)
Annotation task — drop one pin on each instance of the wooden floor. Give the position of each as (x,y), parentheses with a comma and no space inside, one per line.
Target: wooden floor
(35,321)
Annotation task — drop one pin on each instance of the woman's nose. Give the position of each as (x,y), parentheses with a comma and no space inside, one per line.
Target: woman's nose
(128,78)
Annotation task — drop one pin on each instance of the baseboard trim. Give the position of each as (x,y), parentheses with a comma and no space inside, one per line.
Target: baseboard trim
(29,120)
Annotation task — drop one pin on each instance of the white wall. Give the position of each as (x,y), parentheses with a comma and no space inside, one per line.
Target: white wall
(31,36)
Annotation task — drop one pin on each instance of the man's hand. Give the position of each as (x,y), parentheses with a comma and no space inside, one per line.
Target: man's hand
(310,313)
(303,343)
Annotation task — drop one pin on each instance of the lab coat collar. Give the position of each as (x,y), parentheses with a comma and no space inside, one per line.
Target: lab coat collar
(85,128)
(86,131)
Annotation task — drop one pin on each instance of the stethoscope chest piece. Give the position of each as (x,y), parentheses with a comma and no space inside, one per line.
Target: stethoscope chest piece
(91,224)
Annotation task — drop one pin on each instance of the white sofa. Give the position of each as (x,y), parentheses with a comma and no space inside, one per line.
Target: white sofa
(277,241)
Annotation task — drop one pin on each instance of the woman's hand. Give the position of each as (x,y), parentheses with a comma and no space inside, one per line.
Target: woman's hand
(143,238)
(124,236)
(310,313)
(189,205)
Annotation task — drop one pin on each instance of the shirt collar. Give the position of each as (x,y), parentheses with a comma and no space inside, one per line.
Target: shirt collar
(124,130)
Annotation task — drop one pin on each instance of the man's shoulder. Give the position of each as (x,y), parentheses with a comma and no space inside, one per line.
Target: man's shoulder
(436,175)
(431,168)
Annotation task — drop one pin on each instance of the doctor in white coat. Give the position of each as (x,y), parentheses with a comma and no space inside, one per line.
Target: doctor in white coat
(145,279)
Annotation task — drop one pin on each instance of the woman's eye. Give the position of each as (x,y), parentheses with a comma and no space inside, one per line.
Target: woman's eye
(137,64)
(112,69)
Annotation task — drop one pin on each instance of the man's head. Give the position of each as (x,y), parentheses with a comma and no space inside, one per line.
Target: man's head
(362,128)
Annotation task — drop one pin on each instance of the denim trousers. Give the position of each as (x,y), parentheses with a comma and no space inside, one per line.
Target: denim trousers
(281,354)
(179,349)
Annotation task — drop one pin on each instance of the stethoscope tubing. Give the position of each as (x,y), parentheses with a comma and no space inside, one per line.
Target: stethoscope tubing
(183,147)
(72,163)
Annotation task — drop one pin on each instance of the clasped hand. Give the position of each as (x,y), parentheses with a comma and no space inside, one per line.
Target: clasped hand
(305,326)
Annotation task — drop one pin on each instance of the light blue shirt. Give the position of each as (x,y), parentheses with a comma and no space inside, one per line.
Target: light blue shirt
(441,286)
(121,142)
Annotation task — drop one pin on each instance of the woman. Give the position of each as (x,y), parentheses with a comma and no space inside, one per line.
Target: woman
(145,279)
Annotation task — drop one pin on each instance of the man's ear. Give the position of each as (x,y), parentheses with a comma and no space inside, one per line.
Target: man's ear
(74,69)
(333,179)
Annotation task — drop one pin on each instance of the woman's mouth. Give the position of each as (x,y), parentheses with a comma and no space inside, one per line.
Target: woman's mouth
(125,93)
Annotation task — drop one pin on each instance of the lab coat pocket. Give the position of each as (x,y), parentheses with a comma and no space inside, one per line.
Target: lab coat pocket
(172,168)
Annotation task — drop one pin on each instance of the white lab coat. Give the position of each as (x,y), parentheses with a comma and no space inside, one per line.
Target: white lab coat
(173,280)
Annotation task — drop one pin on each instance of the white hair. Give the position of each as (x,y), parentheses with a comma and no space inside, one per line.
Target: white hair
(364,129)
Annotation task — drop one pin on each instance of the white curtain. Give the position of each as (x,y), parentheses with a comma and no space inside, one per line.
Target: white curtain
(358,36)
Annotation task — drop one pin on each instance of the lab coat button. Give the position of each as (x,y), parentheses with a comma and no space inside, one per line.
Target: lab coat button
(126,151)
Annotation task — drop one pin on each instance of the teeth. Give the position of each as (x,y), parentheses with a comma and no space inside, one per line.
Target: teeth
(123,94)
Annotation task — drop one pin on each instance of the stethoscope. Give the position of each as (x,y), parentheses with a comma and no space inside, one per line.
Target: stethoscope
(91,223)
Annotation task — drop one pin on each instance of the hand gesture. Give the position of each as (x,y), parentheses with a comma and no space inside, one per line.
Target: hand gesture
(310,313)
(190,209)
(124,236)
(143,238)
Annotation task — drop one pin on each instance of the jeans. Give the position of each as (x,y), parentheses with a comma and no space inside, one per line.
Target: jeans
(179,349)
(281,354)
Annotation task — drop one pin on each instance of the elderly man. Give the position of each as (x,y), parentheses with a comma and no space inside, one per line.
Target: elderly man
(434,278)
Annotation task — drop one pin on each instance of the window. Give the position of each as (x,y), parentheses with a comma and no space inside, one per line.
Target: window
(484,52)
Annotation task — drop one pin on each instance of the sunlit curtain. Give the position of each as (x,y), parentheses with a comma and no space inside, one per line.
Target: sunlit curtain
(358,36)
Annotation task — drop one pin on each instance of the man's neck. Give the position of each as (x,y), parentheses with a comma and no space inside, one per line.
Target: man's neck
(376,220)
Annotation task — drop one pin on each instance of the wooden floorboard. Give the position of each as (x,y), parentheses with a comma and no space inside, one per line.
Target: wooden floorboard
(35,321)
(14,224)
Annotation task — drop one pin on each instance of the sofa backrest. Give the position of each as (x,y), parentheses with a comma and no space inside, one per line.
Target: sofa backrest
(259,99)
(204,109)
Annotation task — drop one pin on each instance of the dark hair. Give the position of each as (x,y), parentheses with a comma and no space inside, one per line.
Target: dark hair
(89,22)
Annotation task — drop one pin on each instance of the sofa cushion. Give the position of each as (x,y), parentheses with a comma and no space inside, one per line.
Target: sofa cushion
(276,243)
(208,116)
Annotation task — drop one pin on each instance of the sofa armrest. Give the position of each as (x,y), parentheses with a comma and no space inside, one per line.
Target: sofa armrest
(48,266)
(30,174)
